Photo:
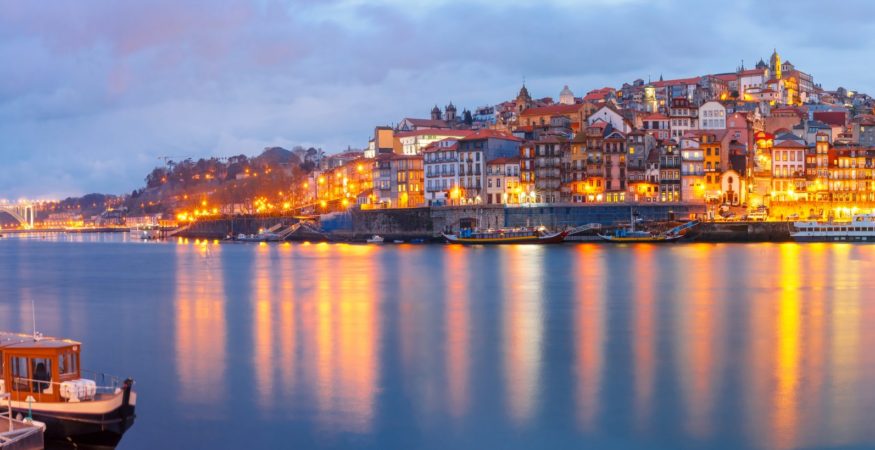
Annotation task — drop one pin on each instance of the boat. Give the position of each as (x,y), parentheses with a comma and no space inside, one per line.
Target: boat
(45,381)
(375,240)
(146,232)
(861,228)
(631,235)
(506,236)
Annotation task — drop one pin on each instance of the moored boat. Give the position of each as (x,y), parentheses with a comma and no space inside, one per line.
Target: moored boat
(861,228)
(375,239)
(146,232)
(506,236)
(631,235)
(44,378)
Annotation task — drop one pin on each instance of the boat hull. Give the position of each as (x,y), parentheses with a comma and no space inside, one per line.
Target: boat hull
(93,425)
(556,238)
(832,238)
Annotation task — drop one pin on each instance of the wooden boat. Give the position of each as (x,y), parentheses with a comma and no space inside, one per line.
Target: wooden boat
(43,376)
(506,236)
(631,235)
(375,239)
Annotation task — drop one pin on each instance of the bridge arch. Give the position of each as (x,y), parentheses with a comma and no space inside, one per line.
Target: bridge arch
(24,214)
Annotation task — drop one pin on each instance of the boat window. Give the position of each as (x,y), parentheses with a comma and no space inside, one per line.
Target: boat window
(42,374)
(67,363)
(19,374)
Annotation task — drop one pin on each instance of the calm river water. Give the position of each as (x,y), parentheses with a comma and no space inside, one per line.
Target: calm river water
(767,346)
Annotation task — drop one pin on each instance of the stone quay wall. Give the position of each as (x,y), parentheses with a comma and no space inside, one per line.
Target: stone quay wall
(561,216)
(219,228)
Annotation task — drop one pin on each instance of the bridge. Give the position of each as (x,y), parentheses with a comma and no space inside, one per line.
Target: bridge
(22,212)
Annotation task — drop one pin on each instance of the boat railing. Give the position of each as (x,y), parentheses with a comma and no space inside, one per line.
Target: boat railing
(46,390)
(19,434)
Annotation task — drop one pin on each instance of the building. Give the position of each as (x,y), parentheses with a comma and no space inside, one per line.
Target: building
(440,163)
(669,172)
(657,125)
(398,181)
(413,142)
(503,181)
(614,152)
(566,97)
(683,117)
(609,115)
(475,151)
(711,144)
(863,130)
(541,116)
(692,174)
(712,116)
(639,146)
(574,170)
(548,168)
(788,169)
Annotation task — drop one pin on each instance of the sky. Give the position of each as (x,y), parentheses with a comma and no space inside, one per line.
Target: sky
(93,93)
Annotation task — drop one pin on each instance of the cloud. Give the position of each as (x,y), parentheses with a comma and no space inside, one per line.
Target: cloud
(96,90)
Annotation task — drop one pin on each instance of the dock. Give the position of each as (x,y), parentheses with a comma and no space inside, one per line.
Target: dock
(17,434)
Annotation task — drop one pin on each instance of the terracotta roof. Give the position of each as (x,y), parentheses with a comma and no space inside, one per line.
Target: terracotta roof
(428,123)
(834,118)
(654,116)
(790,144)
(675,82)
(434,147)
(726,76)
(507,160)
(558,109)
(750,72)
(598,94)
(490,134)
(434,131)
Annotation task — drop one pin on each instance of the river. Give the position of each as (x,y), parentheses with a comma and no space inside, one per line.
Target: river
(729,346)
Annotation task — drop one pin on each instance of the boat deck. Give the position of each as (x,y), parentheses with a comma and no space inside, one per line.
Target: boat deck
(16,434)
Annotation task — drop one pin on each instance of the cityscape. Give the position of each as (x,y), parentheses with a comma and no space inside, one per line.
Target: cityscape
(437,224)
(765,140)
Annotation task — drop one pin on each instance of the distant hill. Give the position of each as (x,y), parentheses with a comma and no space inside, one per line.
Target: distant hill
(272,156)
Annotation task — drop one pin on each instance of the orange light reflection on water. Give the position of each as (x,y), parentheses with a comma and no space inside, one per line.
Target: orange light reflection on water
(200,330)
(590,294)
(522,323)
(457,329)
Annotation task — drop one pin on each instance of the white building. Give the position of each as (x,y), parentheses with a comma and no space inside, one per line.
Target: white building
(753,79)
(788,168)
(414,142)
(712,116)
(566,97)
(610,115)
(441,177)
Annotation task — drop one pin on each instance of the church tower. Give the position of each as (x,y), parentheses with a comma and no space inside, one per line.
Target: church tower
(775,65)
(435,113)
(523,100)
(451,112)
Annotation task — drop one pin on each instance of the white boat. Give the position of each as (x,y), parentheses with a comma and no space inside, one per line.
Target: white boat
(375,240)
(146,232)
(861,228)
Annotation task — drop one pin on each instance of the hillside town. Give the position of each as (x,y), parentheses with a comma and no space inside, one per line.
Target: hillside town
(763,142)
(763,137)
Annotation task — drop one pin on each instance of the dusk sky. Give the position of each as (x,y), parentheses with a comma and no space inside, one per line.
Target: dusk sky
(93,92)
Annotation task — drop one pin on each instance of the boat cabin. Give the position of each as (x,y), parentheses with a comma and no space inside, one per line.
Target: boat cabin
(43,368)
